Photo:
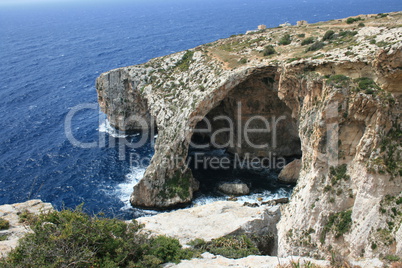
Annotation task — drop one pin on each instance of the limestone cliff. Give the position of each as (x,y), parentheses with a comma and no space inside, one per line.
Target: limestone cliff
(338,89)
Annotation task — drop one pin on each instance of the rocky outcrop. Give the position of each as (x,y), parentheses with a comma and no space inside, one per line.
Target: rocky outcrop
(215,220)
(290,173)
(234,188)
(209,260)
(18,229)
(338,106)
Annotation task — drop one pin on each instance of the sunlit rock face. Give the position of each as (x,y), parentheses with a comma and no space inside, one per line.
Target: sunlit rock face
(341,111)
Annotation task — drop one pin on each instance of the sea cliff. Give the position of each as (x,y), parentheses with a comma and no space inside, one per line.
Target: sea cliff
(336,85)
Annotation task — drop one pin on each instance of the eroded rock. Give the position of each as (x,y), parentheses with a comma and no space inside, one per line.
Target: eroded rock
(213,221)
(234,188)
(290,173)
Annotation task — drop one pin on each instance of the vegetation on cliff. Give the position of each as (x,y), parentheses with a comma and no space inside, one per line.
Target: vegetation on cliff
(73,239)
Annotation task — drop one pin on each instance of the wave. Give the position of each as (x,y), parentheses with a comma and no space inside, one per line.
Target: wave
(105,127)
(124,189)
(251,198)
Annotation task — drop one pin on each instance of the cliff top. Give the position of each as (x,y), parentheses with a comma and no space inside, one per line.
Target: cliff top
(353,38)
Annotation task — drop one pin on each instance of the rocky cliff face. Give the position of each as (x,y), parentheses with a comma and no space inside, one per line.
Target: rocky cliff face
(337,102)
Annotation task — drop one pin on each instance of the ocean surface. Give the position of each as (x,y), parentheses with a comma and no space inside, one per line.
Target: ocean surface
(50,56)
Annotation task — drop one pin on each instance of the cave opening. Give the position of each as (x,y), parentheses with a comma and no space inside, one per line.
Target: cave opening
(238,149)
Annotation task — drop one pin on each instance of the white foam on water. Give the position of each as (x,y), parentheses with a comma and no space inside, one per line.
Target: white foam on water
(125,189)
(107,128)
(251,198)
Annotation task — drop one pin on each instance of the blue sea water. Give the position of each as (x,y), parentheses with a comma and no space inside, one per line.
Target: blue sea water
(50,56)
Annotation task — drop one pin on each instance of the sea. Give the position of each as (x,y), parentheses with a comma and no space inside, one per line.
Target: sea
(51,52)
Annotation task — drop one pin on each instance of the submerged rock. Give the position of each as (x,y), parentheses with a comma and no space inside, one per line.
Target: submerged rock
(234,188)
(290,173)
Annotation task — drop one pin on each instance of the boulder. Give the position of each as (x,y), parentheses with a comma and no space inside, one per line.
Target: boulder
(234,188)
(213,221)
(290,173)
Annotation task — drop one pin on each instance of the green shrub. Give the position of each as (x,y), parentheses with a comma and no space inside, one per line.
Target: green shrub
(268,50)
(340,223)
(366,84)
(392,258)
(4,224)
(382,44)
(347,33)
(302,35)
(285,40)
(73,239)
(243,61)
(329,35)
(338,173)
(381,15)
(338,80)
(26,217)
(307,41)
(238,246)
(3,237)
(316,46)
(361,24)
(352,20)
(186,60)
(168,250)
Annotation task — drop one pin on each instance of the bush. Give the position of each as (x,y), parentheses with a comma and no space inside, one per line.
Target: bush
(301,35)
(352,20)
(328,35)
(381,15)
(285,40)
(186,60)
(316,46)
(268,50)
(366,84)
(72,238)
(4,224)
(338,173)
(347,33)
(243,61)
(340,223)
(338,80)
(168,249)
(3,237)
(307,41)
(392,258)
(239,246)
(361,24)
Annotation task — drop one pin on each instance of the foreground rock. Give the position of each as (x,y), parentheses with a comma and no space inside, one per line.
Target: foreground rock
(212,261)
(213,221)
(17,229)
(290,173)
(234,188)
